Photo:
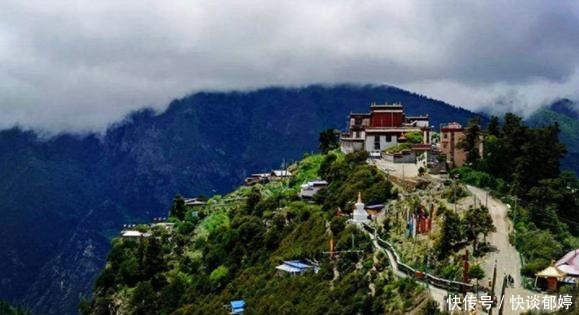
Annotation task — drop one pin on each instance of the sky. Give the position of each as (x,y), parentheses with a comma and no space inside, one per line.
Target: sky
(82,65)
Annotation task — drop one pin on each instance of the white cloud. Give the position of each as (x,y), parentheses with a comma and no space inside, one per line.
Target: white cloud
(78,65)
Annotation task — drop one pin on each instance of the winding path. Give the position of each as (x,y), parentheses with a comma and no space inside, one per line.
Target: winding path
(505,254)
(439,295)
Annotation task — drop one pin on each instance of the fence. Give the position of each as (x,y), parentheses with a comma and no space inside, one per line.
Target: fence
(441,283)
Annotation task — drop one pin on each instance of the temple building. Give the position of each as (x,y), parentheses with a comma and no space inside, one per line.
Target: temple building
(384,126)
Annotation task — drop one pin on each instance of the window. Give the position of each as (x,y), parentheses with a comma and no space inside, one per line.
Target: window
(377,143)
(388,138)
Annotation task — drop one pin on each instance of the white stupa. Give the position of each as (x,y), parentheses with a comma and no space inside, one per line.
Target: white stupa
(360,215)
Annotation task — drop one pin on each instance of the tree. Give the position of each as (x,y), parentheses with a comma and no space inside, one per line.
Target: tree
(476,272)
(154,261)
(495,161)
(478,221)
(171,294)
(471,141)
(218,276)
(514,136)
(493,127)
(451,235)
(252,200)
(144,298)
(329,140)
(178,209)
(414,137)
(540,153)
(430,308)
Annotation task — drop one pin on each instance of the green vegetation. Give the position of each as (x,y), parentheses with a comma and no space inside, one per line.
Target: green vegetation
(476,272)
(451,236)
(398,147)
(231,252)
(414,137)
(478,221)
(431,308)
(522,165)
(7,309)
(329,140)
(471,141)
(454,192)
(349,176)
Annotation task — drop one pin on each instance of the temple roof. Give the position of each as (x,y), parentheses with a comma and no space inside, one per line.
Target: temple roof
(551,272)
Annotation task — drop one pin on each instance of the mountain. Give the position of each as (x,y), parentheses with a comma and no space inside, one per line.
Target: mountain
(65,197)
(566,113)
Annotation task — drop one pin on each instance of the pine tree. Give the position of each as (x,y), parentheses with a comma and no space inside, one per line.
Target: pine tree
(514,135)
(329,140)
(178,209)
(154,258)
(452,233)
(493,127)
(539,158)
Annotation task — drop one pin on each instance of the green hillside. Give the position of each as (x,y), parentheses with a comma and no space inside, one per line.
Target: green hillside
(230,248)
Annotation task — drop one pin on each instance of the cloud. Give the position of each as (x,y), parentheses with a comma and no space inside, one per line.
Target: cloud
(80,65)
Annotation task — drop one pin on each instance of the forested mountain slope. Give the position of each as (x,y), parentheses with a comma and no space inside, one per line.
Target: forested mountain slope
(566,113)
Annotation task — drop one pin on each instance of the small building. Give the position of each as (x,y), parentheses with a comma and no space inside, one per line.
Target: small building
(195,202)
(134,234)
(552,275)
(309,189)
(237,307)
(257,178)
(280,174)
(383,127)
(375,209)
(297,267)
(451,135)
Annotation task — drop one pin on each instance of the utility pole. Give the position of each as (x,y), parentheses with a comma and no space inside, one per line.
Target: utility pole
(487,198)
(454,192)
(426,271)
(515,222)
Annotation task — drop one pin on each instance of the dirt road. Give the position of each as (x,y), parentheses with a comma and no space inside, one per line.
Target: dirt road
(505,254)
